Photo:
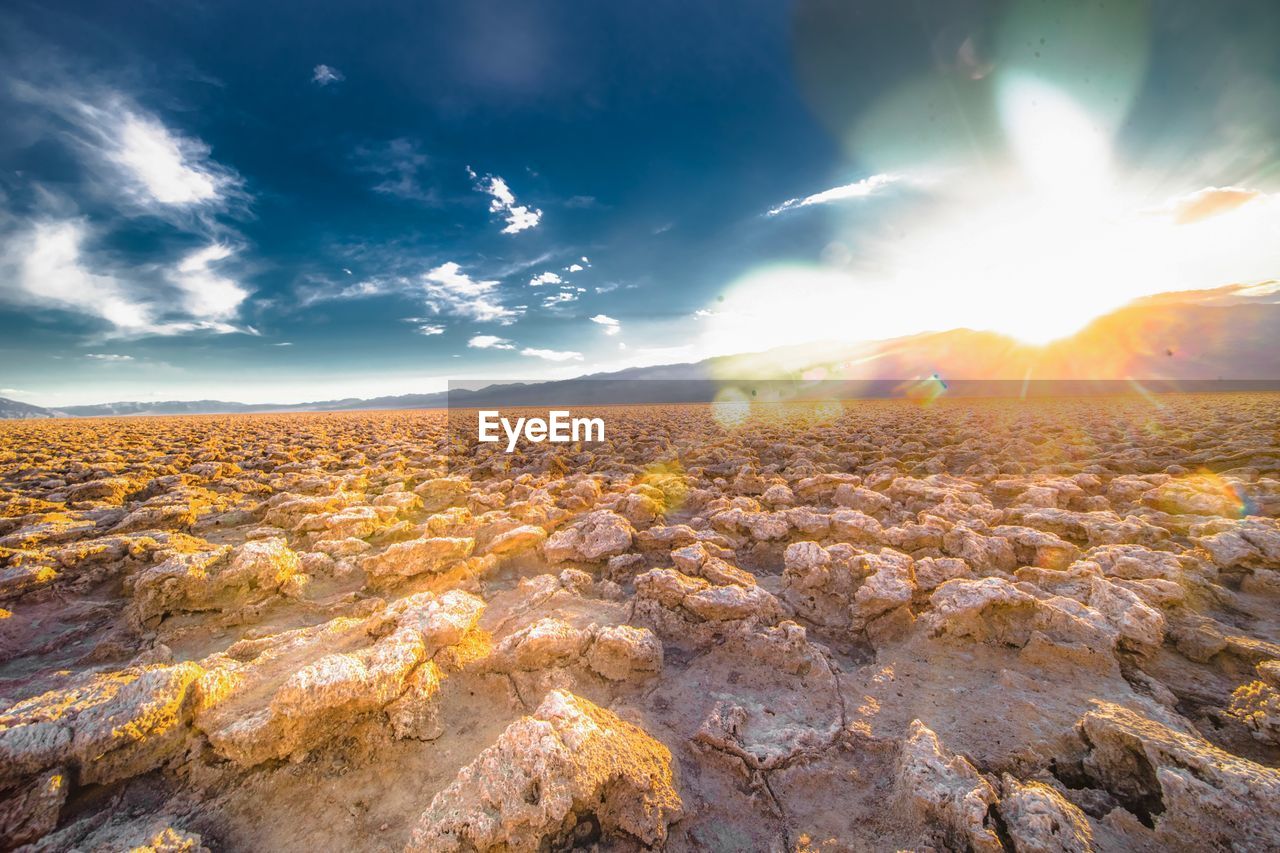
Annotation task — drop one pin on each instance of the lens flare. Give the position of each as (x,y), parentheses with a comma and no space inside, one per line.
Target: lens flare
(1233,502)
(925,391)
(731,407)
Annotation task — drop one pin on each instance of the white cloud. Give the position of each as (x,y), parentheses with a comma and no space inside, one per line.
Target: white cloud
(51,272)
(559,298)
(448,292)
(430,329)
(544,278)
(207,294)
(326,74)
(283,344)
(858,189)
(490,342)
(451,291)
(517,216)
(137,163)
(502,195)
(363,289)
(574,268)
(703,312)
(611,326)
(520,217)
(551,354)
(108,356)
(171,168)
(163,170)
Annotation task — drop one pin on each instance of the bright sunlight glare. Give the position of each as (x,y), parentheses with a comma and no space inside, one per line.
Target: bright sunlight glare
(1034,250)
(1061,151)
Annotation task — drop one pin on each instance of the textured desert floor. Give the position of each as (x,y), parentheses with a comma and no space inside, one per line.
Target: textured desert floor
(972,625)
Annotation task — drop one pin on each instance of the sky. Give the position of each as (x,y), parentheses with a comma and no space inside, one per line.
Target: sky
(285,202)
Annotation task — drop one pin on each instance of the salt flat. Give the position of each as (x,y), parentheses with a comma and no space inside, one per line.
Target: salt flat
(974,624)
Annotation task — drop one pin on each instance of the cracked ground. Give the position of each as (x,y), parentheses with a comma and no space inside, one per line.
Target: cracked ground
(974,625)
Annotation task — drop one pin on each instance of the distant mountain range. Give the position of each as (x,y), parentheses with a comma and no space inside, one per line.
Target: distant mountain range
(1227,338)
(12,410)
(209,407)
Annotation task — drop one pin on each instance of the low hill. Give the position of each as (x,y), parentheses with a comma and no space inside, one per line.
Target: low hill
(13,410)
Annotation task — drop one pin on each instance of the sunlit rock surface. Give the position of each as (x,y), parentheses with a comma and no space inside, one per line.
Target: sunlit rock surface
(568,760)
(974,625)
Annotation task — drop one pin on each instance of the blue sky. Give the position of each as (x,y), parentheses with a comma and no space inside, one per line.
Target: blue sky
(298,201)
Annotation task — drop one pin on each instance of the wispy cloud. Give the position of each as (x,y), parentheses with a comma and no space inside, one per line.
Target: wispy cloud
(108,356)
(429,329)
(159,163)
(135,163)
(1207,203)
(52,273)
(451,291)
(551,354)
(503,201)
(314,291)
(51,270)
(60,258)
(160,167)
(172,169)
(445,289)
(611,326)
(399,163)
(495,342)
(859,189)
(324,75)
(490,342)
(207,294)
(564,296)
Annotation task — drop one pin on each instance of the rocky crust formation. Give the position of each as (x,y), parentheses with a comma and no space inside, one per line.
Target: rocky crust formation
(976,625)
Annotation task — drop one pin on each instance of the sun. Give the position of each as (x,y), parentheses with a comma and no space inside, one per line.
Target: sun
(1034,247)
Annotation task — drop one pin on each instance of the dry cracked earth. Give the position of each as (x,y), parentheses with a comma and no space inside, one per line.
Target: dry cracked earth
(982,625)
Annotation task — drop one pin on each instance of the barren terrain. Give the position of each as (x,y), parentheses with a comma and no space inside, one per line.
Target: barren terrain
(972,625)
